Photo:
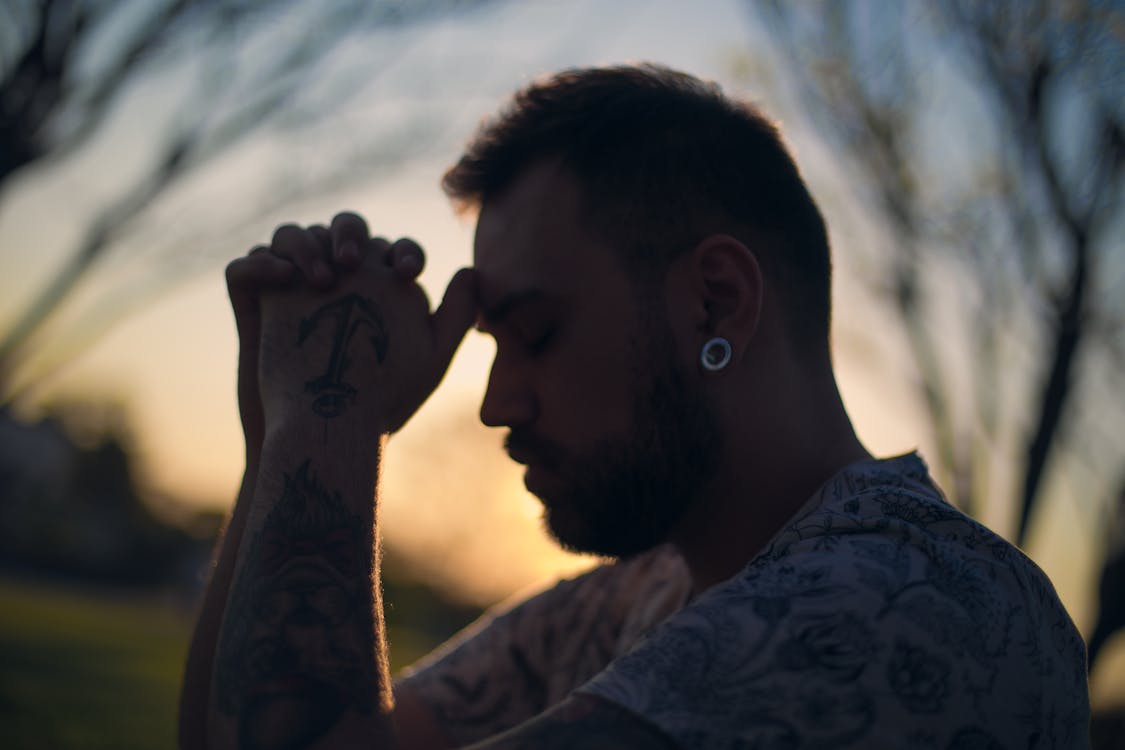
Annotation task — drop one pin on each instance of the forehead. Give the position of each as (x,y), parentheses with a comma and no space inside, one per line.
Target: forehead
(532,236)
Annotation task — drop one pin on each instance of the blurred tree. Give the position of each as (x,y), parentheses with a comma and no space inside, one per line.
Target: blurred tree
(1111,586)
(988,138)
(71,507)
(227,70)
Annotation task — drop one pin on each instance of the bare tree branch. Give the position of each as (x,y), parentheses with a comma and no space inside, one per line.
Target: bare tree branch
(51,104)
(1048,80)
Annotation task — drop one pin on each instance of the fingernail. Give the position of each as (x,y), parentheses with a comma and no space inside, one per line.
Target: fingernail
(349,251)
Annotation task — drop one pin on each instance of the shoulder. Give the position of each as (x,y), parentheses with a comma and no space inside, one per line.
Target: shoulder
(522,658)
(604,597)
(879,600)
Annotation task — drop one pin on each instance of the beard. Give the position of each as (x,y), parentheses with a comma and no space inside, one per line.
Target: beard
(625,495)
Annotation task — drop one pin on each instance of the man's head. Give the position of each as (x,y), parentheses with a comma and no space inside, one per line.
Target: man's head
(664,160)
(626,216)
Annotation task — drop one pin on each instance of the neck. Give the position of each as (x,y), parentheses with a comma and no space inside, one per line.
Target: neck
(778,453)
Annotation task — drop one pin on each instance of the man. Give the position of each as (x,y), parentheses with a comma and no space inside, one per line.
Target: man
(656,277)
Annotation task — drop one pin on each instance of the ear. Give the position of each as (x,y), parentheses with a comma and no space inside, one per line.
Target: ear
(729,288)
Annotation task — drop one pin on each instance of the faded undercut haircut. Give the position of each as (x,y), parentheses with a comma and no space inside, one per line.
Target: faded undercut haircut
(664,160)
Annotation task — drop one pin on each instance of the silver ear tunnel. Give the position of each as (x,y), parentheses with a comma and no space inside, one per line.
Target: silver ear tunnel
(716,354)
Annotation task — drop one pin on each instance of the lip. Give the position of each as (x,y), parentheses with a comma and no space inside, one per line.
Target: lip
(531,480)
(525,459)
(520,456)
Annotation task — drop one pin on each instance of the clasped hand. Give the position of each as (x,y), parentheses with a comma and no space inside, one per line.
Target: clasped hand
(333,325)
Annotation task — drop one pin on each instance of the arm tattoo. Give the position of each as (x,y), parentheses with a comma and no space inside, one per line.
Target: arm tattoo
(582,722)
(351,312)
(298,649)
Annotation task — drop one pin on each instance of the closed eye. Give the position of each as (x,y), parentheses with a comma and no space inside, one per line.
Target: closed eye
(538,344)
(527,319)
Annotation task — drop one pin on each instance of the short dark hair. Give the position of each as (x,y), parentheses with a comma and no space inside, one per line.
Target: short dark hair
(664,159)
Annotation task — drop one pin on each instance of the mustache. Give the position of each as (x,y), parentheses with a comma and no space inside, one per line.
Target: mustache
(525,446)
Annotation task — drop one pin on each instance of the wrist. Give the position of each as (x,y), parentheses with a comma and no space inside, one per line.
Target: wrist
(296,421)
(342,454)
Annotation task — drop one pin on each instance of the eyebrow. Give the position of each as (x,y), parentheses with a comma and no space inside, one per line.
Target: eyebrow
(493,314)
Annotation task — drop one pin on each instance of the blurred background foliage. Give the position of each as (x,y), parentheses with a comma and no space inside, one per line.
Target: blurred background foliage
(980,150)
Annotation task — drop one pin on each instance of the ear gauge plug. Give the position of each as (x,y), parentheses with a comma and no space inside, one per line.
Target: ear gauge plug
(716,354)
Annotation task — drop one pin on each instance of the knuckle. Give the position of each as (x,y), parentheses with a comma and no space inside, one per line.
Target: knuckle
(287,234)
(349,223)
(408,251)
(347,217)
(235,269)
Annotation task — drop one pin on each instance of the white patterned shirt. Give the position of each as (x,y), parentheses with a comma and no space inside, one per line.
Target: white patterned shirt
(880,616)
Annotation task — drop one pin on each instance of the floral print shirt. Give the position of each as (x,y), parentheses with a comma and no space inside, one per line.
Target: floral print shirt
(880,616)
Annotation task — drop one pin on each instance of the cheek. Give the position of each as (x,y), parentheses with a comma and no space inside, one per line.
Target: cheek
(590,381)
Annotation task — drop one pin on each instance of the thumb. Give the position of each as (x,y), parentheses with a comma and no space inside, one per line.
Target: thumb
(452,318)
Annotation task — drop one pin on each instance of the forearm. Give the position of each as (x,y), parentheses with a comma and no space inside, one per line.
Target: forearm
(301,654)
(195,695)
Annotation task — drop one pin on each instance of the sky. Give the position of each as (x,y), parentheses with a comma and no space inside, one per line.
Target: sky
(452,501)
(172,363)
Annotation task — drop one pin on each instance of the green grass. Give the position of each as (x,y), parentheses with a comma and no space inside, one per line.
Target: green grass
(80,669)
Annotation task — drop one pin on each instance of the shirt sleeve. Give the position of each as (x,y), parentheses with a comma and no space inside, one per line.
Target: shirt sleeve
(516,662)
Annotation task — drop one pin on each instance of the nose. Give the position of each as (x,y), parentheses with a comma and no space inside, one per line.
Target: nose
(508,399)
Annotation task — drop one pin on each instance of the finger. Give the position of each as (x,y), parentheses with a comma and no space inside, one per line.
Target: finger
(349,233)
(406,258)
(453,317)
(259,268)
(294,243)
(374,253)
(323,237)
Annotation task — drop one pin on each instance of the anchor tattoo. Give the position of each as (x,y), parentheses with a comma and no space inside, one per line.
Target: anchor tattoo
(352,312)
